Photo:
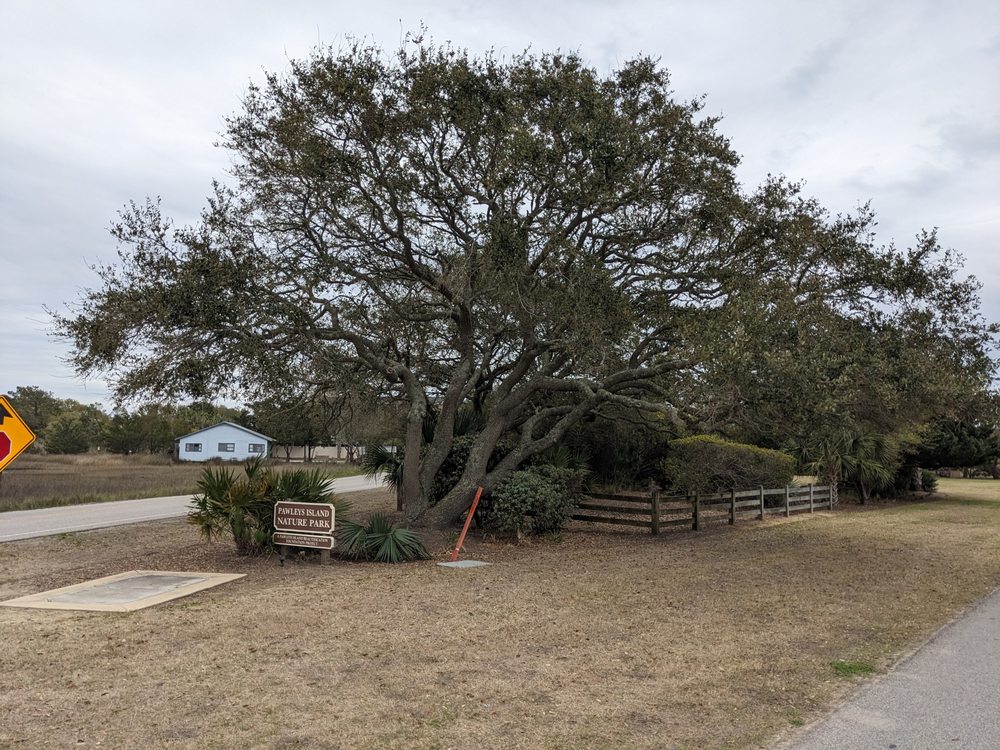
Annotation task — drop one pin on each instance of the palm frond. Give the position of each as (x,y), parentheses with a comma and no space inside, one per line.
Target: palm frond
(380,540)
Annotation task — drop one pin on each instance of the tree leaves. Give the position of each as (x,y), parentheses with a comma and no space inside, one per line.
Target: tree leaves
(533,238)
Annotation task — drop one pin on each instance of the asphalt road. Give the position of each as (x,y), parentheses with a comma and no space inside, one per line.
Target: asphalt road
(947,695)
(24,524)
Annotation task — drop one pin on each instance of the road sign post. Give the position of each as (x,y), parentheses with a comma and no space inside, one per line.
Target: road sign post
(15,435)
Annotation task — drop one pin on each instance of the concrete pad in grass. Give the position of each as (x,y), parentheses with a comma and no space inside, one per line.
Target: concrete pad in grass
(464,564)
(124,592)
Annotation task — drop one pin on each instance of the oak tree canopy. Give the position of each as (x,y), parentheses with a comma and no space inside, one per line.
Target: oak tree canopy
(526,238)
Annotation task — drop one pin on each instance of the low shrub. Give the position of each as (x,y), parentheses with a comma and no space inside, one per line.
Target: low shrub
(929,480)
(540,500)
(380,540)
(243,506)
(452,468)
(571,480)
(904,483)
(704,463)
(622,452)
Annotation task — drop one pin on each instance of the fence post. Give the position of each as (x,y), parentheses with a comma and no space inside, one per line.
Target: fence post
(655,498)
(788,511)
(732,507)
(762,502)
(697,521)
(812,505)
(830,490)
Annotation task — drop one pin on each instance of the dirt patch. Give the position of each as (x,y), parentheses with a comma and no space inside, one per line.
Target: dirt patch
(593,639)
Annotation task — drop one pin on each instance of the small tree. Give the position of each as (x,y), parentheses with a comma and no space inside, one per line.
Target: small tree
(70,432)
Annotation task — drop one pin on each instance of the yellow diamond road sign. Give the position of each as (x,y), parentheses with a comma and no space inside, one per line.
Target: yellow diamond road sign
(15,435)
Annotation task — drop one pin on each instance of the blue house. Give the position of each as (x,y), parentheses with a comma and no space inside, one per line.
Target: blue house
(226,440)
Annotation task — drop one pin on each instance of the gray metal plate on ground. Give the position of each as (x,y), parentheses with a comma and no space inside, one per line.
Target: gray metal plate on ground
(124,592)
(464,564)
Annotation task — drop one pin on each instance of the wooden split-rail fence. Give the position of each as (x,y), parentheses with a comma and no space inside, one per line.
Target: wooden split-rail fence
(655,511)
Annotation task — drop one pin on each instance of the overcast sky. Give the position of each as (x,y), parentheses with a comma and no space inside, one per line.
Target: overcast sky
(102,102)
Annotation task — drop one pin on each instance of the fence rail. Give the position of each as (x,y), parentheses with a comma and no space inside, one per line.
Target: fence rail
(655,511)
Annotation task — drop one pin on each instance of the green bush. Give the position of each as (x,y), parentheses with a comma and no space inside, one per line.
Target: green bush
(379,540)
(929,480)
(704,463)
(621,452)
(453,466)
(243,506)
(68,433)
(540,499)
(571,480)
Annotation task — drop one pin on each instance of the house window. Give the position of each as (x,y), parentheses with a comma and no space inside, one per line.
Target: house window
(256,448)
(192,447)
(227,447)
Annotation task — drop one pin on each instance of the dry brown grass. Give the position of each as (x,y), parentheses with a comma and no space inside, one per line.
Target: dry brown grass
(722,639)
(37,481)
(971,489)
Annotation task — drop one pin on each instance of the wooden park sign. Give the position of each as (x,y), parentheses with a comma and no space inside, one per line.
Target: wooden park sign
(305,518)
(313,541)
(307,525)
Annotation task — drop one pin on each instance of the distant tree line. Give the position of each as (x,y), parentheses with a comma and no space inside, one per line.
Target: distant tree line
(66,426)
(69,426)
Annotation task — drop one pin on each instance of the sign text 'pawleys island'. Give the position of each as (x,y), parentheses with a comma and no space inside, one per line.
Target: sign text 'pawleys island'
(304,525)
(305,518)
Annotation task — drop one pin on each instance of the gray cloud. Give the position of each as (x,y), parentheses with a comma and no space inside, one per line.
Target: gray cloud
(104,102)
(808,76)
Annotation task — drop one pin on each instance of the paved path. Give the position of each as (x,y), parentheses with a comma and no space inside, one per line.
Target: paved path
(24,524)
(947,695)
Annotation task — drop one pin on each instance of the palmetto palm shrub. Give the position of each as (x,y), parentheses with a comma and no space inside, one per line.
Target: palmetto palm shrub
(871,461)
(379,540)
(242,506)
(866,461)
(384,461)
(928,481)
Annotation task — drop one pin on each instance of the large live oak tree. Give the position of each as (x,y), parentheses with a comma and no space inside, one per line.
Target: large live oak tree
(523,237)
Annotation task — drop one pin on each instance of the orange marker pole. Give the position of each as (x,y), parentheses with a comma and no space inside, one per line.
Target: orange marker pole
(468,522)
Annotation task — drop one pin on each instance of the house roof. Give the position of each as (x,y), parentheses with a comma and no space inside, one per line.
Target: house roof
(230,424)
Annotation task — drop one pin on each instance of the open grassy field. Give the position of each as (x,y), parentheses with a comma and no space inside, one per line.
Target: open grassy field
(35,481)
(971,489)
(729,638)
